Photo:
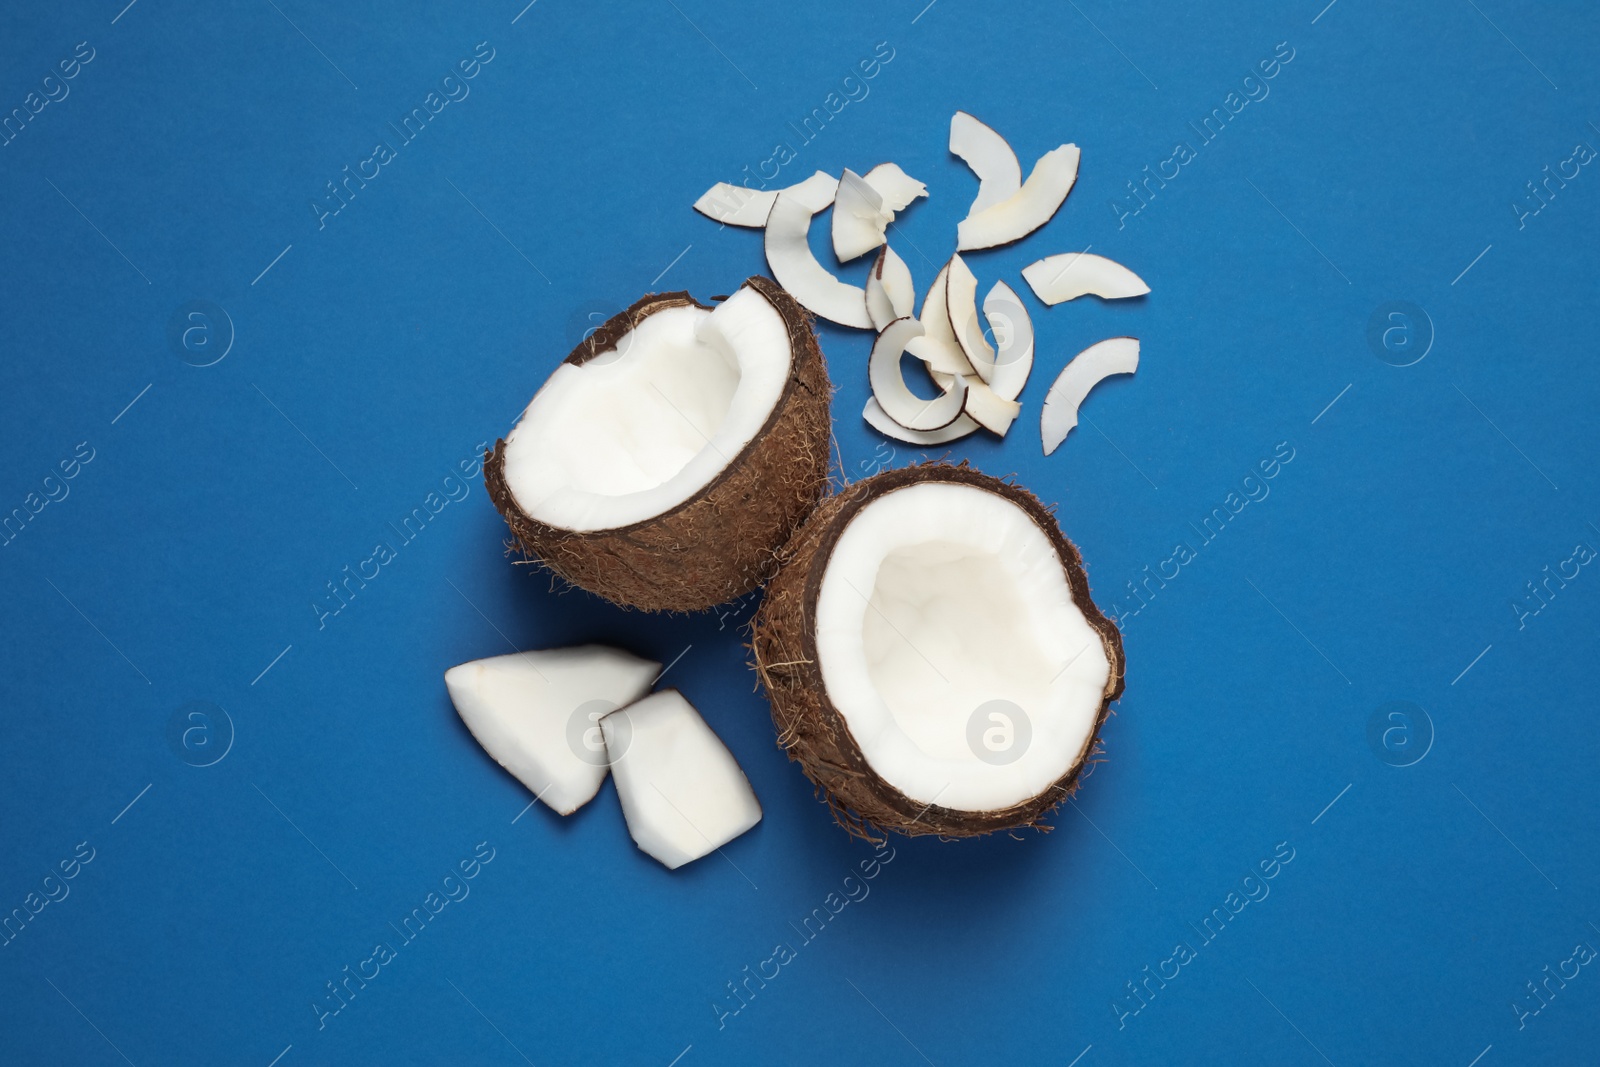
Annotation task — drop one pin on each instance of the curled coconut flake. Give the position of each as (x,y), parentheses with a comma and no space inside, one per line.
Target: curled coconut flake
(1073,274)
(879,420)
(994,413)
(937,345)
(1028,208)
(859,218)
(734,205)
(890,294)
(961,306)
(1116,355)
(1012,329)
(797,270)
(895,186)
(889,383)
(989,157)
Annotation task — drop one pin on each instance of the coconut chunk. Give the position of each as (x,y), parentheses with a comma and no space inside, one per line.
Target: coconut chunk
(873,413)
(1073,274)
(889,383)
(859,219)
(683,794)
(797,270)
(735,205)
(1012,329)
(1116,355)
(537,714)
(937,345)
(961,305)
(890,292)
(989,157)
(989,410)
(1028,208)
(895,186)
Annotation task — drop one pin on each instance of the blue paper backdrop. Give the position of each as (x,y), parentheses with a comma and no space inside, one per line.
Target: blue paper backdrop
(159,208)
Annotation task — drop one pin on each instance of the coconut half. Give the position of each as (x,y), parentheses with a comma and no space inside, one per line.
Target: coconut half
(673,451)
(932,656)
(734,205)
(797,270)
(1073,274)
(683,794)
(1028,208)
(989,157)
(538,714)
(1116,355)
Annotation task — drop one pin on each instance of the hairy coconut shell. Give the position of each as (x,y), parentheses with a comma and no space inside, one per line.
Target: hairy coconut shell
(721,543)
(812,730)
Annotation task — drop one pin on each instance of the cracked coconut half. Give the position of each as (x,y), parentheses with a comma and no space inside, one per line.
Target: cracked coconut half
(932,656)
(673,452)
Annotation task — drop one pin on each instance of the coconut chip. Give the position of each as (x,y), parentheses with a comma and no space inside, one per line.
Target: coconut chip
(797,270)
(937,345)
(890,293)
(896,187)
(1012,329)
(1028,208)
(1070,275)
(889,383)
(1117,355)
(989,157)
(878,419)
(859,219)
(734,205)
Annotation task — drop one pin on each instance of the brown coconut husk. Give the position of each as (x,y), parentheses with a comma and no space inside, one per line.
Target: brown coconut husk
(811,729)
(722,543)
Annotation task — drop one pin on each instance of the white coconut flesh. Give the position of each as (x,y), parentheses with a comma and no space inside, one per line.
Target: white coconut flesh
(633,433)
(890,292)
(1070,275)
(879,420)
(859,218)
(682,792)
(1116,355)
(1028,208)
(537,714)
(989,157)
(795,268)
(961,305)
(734,205)
(937,345)
(950,645)
(895,186)
(887,377)
(1012,329)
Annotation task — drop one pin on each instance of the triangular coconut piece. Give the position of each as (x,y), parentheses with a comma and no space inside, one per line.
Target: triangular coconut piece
(682,791)
(734,205)
(859,218)
(1073,274)
(989,157)
(537,714)
(1028,208)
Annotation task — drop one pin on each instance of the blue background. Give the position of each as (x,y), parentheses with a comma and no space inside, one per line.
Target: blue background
(378,351)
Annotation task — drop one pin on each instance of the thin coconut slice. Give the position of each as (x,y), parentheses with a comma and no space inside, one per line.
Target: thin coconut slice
(890,292)
(932,656)
(673,451)
(937,345)
(797,270)
(1117,355)
(889,383)
(1012,328)
(734,205)
(859,218)
(682,792)
(537,714)
(895,186)
(873,413)
(961,305)
(1073,274)
(1028,208)
(989,157)
(989,410)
